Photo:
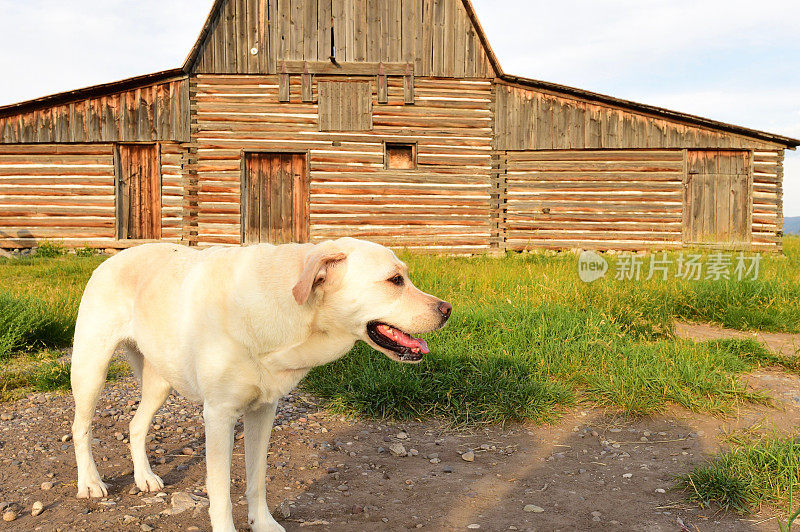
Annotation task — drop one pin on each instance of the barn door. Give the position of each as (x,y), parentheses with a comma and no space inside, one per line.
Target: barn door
(138,192)
(275,198)
(718,199)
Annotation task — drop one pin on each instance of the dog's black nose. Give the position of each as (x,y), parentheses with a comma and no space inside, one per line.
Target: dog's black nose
(445,308)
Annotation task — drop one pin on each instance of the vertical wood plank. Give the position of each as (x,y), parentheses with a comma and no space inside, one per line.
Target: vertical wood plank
(383,85)
(325,21)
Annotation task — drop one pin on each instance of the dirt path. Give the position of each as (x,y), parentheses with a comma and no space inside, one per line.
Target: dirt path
(591,471)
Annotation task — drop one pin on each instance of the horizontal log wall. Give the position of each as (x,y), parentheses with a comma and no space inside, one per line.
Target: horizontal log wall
(442,205)
(152,113)
(532,119)
(437,36)
(171,191)
(767,198)
(615,199)
(66,193)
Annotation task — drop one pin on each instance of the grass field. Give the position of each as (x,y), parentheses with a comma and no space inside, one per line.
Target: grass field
(526,339)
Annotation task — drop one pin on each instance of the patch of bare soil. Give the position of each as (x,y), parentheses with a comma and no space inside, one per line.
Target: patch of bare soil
(591,471)
(781,343)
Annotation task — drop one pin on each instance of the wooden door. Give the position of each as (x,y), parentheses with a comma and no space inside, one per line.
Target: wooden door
(718,199)
(138,192)
(275,198)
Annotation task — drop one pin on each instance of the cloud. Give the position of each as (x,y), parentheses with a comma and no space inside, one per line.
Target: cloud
(69,45)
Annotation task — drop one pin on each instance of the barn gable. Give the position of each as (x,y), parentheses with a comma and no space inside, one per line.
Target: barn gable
(438,37)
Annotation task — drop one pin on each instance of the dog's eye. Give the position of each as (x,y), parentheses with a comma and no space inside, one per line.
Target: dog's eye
(397,280)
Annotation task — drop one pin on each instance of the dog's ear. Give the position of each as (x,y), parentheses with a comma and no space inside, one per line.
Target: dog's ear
(315,271)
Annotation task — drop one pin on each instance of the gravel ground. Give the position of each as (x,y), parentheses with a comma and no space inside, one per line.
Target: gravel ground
(590,471)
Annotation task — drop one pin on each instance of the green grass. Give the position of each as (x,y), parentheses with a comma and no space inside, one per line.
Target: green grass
(39,301)
(748,475)
(527,337)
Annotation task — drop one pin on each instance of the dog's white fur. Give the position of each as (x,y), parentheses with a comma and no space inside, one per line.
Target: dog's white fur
(236,329)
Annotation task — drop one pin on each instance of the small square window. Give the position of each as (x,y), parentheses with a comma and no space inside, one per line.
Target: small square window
(401,156)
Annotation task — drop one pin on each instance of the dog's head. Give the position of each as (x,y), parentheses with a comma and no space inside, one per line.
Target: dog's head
(364,288)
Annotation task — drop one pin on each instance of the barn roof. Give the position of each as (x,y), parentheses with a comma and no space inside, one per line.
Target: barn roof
(188,65)
(649,109)
(88,92)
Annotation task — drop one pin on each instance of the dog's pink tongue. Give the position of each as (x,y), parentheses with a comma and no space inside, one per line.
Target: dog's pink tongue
(423,346)
(405,339)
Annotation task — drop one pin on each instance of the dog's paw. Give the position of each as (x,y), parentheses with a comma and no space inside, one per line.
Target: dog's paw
(269,526)
(149,482)
(95,488)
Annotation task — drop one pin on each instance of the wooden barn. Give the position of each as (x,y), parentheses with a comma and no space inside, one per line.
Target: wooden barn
(390,120)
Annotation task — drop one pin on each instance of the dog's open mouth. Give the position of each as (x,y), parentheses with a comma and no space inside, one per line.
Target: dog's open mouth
(403,346)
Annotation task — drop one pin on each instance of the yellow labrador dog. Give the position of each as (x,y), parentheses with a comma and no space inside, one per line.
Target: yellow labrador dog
(236,329)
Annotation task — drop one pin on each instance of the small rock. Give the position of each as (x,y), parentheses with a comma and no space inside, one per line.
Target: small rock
(144,527)
(474,526)
(468,456)
(285,510)
(435,460)
(402,435)
(397,449)
(343,487)
(46,486)
(181,502)
(596,516)
(615,430)
(660,490)
(119,436)
(65,438)
(128,519)
(193,529)
(37,508)
(627,475)
(447,469)
(6,416)
(357,509)
(9,515)
(187,451)
(533,508)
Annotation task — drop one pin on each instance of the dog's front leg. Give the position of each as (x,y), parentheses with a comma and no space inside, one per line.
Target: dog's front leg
(219,448)
(257,429)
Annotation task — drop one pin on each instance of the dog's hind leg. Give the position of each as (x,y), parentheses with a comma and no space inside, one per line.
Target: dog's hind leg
(91,356)
(155,391)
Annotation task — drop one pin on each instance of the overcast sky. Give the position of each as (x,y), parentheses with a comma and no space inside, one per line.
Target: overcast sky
(730,60)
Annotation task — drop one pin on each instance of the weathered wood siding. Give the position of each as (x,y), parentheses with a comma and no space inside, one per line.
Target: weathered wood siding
(66,193)
(437,36)
(533,119)
(594,199)
(151,113)
(443,204)
(615,199)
